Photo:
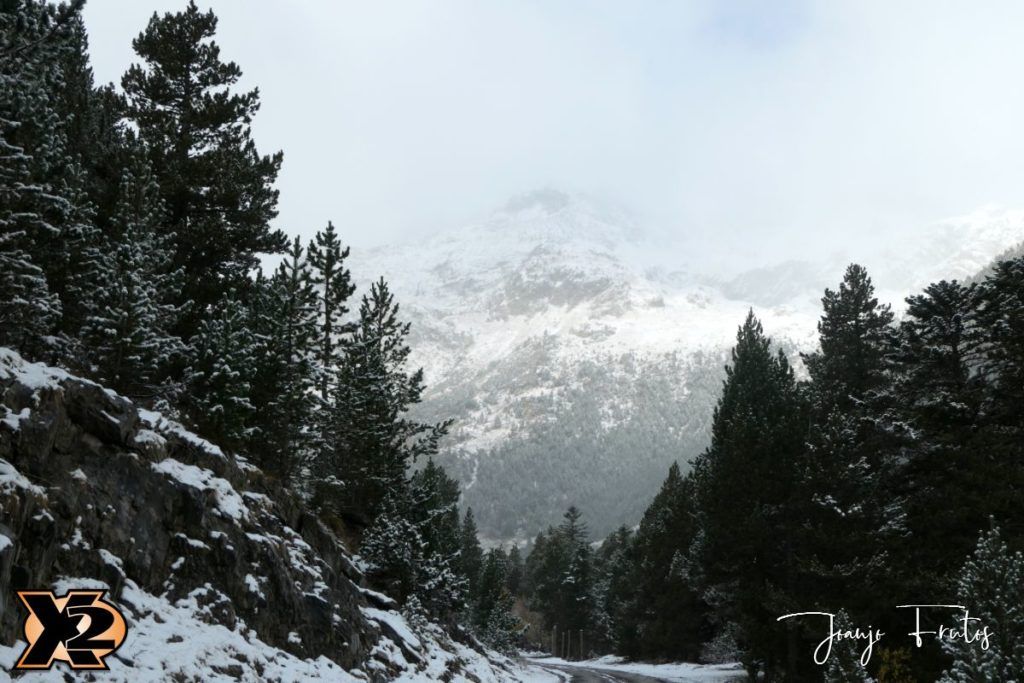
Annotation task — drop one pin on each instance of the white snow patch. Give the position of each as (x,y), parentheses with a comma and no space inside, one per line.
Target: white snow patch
(11,478)
(683,672)
(12,419)
(396,622)
(111,559)
(253,584)
(228,501)
(159,423)
(193,542)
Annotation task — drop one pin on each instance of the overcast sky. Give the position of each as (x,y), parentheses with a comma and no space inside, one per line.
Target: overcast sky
(801,124)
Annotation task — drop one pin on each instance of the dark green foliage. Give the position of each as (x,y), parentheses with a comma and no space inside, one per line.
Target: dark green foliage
(38,191)
(471,557)
(334,288)
(126,332)
(561,579)
(935,416)
(618,605)
(93,126)
(746,499)
(856,517)
(844,662)
(218,381)
(413,546)
(860,488)
(283,317)
(434,509)
(373,441)
(514,580)
(854,334)
(491,613)
(991,585)
(217,188)
(127,223)
(998,446)
(28,310)
(663,616)
(394,549)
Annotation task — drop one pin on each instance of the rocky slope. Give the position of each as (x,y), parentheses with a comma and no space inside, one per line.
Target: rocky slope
(218,574)
(580,356)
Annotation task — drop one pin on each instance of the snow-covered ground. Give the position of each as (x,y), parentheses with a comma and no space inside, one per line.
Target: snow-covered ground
(186,638)
(680,672)
(174,641)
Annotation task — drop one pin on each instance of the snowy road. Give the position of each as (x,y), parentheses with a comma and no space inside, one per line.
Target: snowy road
(578,674)
(610,669)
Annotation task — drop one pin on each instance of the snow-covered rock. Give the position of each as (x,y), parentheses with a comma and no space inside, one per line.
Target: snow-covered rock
(220,576)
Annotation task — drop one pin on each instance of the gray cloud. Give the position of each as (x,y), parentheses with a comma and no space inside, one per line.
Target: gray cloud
(788,127)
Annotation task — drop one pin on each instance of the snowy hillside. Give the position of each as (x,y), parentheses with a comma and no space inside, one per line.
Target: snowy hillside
(218,576)
(580,356)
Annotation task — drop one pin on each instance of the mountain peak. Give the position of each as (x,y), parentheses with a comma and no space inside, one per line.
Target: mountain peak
(549,215)
(547,200)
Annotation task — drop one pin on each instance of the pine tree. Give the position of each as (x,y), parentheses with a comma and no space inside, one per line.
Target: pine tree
(503,628)
(217,188)
(97,137)
(992,587)
(374,442)
(471,557)
(747,501)
(393,548)
(58,223)
(283,318)
(1001,319)
(126,333)
(664,606)
(617,625)
(37,214)
(434,509)
(28,309)
(492,616)
(576,582)
(515,570)
(439,588)
(998,445)
(218,380)
(544,569)
(95,148)
(844,664)
(856,517)
(327,258)
(855,336)
(562,583)
(935,416)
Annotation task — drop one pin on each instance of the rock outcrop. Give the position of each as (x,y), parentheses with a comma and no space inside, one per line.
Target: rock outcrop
(94,491)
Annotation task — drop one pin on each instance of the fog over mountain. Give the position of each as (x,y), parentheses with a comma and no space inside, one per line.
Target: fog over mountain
(581,353)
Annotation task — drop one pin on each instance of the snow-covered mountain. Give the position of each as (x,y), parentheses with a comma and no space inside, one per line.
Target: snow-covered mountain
(580,356)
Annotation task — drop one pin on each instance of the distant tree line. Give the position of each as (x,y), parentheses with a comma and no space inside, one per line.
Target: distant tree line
(132,226)
(892,474)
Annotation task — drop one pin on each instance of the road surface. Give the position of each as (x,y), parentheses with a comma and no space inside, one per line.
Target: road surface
(579,674)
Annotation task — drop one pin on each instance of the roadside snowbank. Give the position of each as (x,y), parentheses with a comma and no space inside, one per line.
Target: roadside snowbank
(683,672)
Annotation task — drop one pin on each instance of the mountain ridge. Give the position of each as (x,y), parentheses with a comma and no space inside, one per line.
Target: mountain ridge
(548,311)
